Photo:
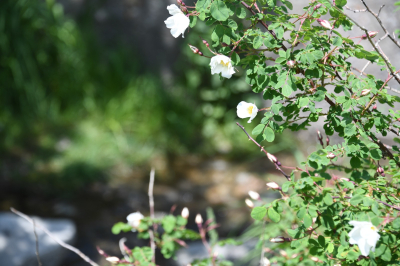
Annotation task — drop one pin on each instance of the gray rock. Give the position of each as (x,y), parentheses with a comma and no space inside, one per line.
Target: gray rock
(18,245)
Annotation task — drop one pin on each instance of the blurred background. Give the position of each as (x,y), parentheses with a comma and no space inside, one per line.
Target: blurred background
(95,93)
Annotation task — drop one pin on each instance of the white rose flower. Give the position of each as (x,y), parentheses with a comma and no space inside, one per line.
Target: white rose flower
(178,23)
(365,235)
(134,220)
(222,64)
(245,110)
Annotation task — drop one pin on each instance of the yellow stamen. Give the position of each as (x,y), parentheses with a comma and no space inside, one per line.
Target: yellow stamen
(250,109)
(373,228)
(224,64)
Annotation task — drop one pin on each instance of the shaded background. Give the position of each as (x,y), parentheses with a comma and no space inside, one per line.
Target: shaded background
(95,93)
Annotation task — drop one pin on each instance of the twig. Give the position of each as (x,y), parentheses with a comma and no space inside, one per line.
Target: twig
(372,43)
(151,203)
(61,243)
(37,243)
(355,10)
(380,22)
(262,23)
(266,153)
(384,203)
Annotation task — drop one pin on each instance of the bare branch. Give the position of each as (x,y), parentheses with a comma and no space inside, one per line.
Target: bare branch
(355,10)
(151,203)
(37,243)
(380,21)
(388,65)
(61,243)
(265,151)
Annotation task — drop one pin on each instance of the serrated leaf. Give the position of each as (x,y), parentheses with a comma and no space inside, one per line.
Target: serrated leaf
(337,41)
(328,199)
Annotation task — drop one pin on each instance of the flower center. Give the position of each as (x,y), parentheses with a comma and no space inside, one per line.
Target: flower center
(250,109)
(373,228)
(224,64)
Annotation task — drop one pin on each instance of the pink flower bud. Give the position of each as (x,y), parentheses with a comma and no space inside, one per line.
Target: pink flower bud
(330,155)
(372,34)
(201,54)
(283,253)
(249,203)
(279,239)
(291,63)
(272,158)
(180,2)
(317,6)
(198,219)
(273,185)
(380,171)
(113,260)
(327,141)
(374,107)
(206,43)
(254,195)
(365,92)
(185,213)
(344,179)
(194,49)
(324,23)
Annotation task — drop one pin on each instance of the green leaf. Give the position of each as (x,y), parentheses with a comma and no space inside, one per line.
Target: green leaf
(168,223)
(269,134)
(355,200)
(240,12)
(396,223)
(193,20)
(328,199)
(258,213)
(202,5)
(307,220)
(350,130)
(355,162)
(273,215)
(340,3)
(219,10)
(286,90)
(235,58)
(337,41)
(120,226)
(257,42)
(258,129)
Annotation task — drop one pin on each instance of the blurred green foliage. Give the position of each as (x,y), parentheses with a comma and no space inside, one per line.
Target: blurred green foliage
(73,109)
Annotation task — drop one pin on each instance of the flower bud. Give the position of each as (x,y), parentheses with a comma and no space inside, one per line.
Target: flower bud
(184,9)
(291,63)
(372,34)
(272,158)
(224,44)
(198,219)
(317,6)
(206,43)
(283,253)
(279,239)
(327,141)
(380,171)
(324,23)
(365,92)
(254,195)
(180,2)
(265,262)
(294,255)
(273,185)
(134,220)
(330,155)
(249,203)
(344,179)
(194,49)
(374,107)
(113,260)
(315,259)
(185,213)
(201,54)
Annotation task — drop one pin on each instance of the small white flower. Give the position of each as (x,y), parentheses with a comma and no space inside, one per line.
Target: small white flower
(222,64)
(365,235)
(245,110)
(134,220)
(254,195)
(198,219)
(178,23)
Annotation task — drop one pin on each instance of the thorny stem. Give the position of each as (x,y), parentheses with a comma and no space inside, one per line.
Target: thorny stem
(263,150)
